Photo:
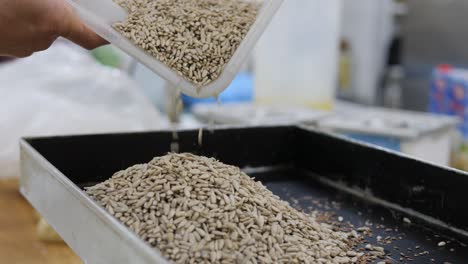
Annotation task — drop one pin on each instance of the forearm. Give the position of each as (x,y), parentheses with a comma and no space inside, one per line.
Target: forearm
(27,26)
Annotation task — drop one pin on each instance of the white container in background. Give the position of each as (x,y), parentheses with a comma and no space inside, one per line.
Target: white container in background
(255,115)
(296,60)
(367,26)
(425,136)
(100,15)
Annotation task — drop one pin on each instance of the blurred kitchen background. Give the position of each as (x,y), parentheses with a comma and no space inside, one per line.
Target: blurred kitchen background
(320,61)
(340,65)
(388,72)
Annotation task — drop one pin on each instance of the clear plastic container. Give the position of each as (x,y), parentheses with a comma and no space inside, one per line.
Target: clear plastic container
(100,15)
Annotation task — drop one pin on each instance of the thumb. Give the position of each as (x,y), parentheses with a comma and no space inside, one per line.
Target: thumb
(77,32)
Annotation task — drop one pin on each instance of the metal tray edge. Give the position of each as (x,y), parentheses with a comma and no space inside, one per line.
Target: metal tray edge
(93,219)
(389,151)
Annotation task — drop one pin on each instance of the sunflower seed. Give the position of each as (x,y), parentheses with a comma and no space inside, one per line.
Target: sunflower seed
(198,210)
(204,34)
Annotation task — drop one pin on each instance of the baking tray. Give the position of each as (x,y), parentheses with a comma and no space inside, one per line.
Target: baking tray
(416,203)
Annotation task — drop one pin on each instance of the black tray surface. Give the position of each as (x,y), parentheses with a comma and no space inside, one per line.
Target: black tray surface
(290,161)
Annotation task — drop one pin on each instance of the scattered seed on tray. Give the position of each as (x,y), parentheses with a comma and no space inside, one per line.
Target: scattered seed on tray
(195,38)
(441,243)
(198,210)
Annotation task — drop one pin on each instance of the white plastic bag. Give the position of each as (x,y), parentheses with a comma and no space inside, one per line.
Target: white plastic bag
(64,91)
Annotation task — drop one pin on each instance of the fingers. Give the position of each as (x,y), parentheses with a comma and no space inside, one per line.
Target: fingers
(79,33)
(22,54)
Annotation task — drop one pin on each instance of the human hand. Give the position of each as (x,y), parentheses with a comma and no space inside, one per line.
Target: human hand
(27,26)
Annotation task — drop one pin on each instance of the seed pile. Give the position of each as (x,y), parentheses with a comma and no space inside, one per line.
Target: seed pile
(196,38)
(198,210)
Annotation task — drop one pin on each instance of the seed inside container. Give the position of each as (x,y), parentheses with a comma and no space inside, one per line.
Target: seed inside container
(195,38)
